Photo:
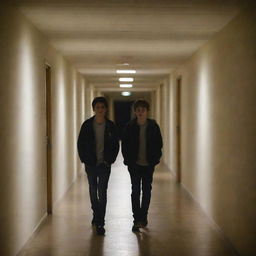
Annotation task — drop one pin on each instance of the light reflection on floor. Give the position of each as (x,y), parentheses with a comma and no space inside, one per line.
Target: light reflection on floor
(177,226)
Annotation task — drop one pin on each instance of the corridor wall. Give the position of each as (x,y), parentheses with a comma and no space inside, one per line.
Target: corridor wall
(164,111)
(218,129)
(23,177)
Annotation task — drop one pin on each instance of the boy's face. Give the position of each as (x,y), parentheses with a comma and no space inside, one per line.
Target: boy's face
(141,112)
(100,109)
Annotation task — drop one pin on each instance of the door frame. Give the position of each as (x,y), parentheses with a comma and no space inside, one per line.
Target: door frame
(48,97)
(178,128)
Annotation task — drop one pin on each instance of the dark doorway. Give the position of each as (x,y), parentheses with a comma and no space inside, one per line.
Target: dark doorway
(122,114)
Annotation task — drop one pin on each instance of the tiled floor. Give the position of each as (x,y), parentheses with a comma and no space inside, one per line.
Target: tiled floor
(177,226)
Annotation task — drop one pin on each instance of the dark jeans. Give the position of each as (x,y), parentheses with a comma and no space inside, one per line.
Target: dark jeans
(98,177)
(141,179)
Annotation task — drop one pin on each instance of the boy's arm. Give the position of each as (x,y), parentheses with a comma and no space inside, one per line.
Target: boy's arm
(81,143)
(159,135)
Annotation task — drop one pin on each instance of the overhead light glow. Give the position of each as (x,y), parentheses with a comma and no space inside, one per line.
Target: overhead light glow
(126,79)
(126,93)
(126,71)
(126,85)
(123,64)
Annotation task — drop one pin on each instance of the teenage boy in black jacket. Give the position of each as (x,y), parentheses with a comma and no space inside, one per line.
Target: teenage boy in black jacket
(142,150)
(98,146)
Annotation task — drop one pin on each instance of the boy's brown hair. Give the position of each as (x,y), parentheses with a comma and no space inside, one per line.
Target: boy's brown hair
(141,103)
(99,100)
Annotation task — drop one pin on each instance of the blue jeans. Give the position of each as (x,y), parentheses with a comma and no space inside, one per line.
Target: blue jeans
(98,177)
(141,179)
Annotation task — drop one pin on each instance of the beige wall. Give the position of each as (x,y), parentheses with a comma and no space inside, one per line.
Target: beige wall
(218,130)
(23,196)
(68,113)
(164,113)
(81,105)
(157,108)
(172,124)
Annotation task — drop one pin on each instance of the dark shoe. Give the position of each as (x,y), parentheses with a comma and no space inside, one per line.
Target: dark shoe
(143,223)
(94,223)
(136,227)
(100,230)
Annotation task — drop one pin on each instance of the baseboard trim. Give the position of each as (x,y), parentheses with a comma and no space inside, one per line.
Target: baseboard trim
(213,223)
(22,251)
(58,201)
(35,231)
(165,166)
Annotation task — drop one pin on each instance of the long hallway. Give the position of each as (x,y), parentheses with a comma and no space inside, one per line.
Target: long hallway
(193,61)
(177,226)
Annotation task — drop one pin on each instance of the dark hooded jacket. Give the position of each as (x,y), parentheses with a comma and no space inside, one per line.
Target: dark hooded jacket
(86,143)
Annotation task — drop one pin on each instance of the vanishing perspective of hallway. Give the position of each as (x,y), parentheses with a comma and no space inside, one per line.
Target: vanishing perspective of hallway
(194,61)
(177,225)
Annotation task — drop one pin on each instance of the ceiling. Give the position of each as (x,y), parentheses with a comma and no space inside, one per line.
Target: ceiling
(153,37)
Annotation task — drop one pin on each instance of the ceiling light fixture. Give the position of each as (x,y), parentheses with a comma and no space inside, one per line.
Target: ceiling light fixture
(126,94)
(123,64)
(126,85)
(126,71)
(126,79)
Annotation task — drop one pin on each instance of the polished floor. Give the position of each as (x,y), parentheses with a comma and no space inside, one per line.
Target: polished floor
(177,226)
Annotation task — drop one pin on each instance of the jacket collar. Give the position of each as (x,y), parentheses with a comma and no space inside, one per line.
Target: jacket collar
(107,120)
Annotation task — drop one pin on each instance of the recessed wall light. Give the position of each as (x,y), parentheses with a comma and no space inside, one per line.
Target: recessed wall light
(126,79)
(126,85)
(126,93)
(126,71)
